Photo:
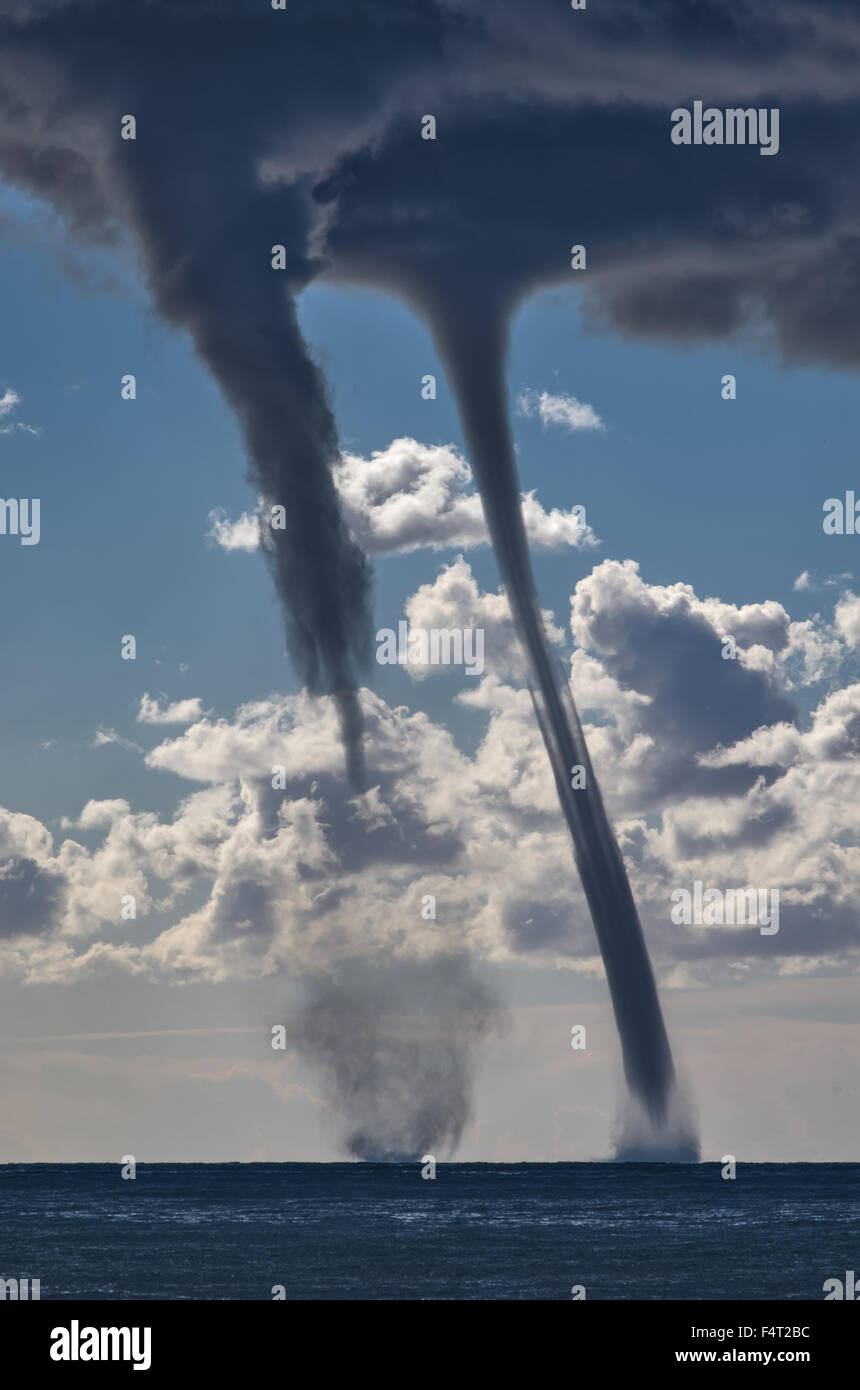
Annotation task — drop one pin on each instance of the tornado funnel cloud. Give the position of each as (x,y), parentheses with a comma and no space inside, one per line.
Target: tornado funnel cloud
(214,278)
(473,346)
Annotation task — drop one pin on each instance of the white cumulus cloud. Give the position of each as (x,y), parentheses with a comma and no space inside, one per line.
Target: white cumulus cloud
(180,712)
(562,410)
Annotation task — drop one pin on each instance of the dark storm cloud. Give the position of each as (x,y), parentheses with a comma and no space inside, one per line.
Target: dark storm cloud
(682,243)
(550,133)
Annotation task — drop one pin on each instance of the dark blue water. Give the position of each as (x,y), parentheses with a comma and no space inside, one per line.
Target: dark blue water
(380,1231)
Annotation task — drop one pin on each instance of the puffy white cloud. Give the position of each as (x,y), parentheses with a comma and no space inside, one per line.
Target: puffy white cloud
(9,401)
(453,602)
(773,744)
(242,534)
(814,653)
(846,616)
(413,495)
(180,712)
(410,495)
(562,410)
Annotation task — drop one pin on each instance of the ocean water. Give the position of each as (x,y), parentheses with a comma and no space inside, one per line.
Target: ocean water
(476,1231)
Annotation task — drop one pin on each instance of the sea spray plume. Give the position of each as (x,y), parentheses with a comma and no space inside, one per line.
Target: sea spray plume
(396,1044)
(635,1139)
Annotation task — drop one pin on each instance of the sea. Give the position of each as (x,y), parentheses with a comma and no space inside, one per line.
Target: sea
(474,1231)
